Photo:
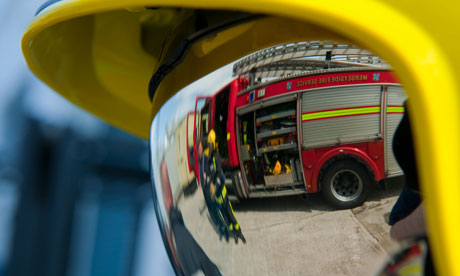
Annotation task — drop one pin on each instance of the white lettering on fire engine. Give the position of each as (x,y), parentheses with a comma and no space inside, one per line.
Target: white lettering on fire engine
(261,93)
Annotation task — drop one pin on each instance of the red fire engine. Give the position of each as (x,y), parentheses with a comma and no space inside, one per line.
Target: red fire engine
(326,125)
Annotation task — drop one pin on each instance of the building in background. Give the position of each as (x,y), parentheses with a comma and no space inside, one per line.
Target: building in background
(75,196)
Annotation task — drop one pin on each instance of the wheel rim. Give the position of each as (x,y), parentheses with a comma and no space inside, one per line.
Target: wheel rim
(346,185)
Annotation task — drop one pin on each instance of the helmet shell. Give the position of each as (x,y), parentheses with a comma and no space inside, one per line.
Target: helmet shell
(212,138)
(101,55)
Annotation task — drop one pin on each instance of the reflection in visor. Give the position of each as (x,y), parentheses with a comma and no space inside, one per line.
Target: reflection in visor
(234,159)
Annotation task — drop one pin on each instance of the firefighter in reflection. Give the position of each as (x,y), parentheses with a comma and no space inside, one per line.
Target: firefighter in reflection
(217,187)
(213,210)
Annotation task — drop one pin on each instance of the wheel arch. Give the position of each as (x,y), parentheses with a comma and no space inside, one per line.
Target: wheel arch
(343,153)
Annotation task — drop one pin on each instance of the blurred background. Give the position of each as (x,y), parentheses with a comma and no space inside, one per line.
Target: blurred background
(75,196)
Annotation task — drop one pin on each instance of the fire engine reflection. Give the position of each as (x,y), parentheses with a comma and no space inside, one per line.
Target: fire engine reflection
(327,129)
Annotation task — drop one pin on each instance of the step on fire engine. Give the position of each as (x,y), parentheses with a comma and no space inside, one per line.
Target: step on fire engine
(305,117)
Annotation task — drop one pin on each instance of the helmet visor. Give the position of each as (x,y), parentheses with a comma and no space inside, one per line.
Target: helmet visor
(230,156)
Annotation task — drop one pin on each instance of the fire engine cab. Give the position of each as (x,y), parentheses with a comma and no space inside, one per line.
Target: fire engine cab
(305,117)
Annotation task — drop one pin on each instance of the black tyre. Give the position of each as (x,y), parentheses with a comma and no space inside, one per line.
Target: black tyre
(346,184)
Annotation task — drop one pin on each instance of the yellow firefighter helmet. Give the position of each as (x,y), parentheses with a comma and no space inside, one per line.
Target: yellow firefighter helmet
(212,139)
(102,56)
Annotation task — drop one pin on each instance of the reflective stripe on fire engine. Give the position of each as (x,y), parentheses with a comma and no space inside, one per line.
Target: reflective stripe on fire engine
(343,112)
(395,109)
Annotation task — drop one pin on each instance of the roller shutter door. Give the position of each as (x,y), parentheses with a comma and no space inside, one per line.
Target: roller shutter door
(340,115)
(395,97)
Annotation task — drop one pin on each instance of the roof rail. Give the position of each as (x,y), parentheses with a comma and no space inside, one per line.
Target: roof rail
(287,59)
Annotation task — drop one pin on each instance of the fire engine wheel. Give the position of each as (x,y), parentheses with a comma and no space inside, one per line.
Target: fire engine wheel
(346,184)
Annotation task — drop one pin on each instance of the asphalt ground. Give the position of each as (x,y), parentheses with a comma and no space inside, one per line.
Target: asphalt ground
(299,235)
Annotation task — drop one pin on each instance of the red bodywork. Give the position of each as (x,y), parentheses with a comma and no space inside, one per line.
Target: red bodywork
(370,153)
(317,81)
(234,87)
(188,150)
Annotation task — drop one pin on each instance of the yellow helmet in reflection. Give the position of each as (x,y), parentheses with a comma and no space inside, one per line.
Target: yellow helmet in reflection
(212,139)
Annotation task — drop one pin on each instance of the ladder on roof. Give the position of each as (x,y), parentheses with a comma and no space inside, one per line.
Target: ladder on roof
(287,59)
